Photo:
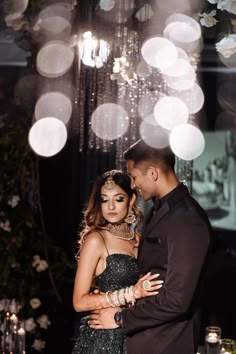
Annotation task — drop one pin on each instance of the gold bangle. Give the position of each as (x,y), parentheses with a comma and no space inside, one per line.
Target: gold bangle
(115,298)
(121,297)
(108,300)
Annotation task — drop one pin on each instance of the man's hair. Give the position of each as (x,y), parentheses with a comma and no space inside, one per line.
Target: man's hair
(140,152)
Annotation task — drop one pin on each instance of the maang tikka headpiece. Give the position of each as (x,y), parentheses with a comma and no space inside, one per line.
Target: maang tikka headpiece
(110,183)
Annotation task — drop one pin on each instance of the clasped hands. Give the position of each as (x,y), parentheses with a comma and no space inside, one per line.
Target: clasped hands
(104,318)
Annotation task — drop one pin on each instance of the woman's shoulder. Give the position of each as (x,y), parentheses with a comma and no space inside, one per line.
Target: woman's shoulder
(94,238)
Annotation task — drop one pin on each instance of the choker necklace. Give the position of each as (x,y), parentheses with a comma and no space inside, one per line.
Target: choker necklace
(121,231)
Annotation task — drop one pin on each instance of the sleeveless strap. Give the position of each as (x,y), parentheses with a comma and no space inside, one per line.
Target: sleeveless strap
(103,241)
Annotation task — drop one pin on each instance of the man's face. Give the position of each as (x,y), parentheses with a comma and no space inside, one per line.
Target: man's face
(140,180)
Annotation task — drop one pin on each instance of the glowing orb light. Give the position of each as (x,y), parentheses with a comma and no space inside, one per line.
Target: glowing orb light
(159,52)
(143,70)
(54,59)
(180,75)
(170,111)
(147,102)
(193,98)
(187,141)
(53,104)
(109,121)
(183,31)
(15,6)
(153,134)
(55,19)
(47,136)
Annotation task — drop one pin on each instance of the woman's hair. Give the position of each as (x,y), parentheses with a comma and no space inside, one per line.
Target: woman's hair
(92,213)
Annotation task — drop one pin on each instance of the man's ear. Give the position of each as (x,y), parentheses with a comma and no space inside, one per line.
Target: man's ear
(153,171)
(132,200)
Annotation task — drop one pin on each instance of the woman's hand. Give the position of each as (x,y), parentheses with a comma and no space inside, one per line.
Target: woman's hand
(147,286)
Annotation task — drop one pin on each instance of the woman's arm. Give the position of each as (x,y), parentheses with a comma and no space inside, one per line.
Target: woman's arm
(91,253)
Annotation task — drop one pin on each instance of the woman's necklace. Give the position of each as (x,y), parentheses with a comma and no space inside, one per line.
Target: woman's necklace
(121,231)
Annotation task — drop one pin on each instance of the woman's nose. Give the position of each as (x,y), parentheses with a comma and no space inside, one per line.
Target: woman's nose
(111,205)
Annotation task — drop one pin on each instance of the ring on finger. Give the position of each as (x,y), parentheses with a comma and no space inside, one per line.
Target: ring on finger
(147,285)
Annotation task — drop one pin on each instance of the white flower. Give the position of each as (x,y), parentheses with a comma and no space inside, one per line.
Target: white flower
(227,46)
(38,344)
(43,321)
(227,5)
(42,265)
(14,201)
(35,303)
(5,226)
(106,5)
(208,19)
(30,324)
(36,260)
(213,1)
(39,264)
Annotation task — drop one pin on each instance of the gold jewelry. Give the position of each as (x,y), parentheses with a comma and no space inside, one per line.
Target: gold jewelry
(129,295)
(110,183)
(121,231)
(121,296)
(130,217)
(115,298)
(147,285)
(108,300)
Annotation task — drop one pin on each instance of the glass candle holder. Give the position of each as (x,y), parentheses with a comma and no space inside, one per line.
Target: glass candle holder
(227,346)
(212,340)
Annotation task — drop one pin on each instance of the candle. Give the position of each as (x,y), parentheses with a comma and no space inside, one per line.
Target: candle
(21,340)
(14,318)
(212,338)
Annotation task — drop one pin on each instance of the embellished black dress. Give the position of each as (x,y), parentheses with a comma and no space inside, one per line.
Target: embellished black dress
(121,271)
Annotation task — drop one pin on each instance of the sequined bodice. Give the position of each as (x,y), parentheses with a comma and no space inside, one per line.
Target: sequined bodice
(121,271)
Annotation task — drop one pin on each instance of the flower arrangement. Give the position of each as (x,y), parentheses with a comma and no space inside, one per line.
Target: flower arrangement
(226,45)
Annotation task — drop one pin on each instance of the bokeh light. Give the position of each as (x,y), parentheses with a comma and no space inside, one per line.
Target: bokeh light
(143,69)
(47,136)
(153,134)
(147,102)
(15,6)
(109,121)
(193,98)
(159,52)
(54,104)
(183,31)
(187,141)
(54,20)
(170,111)
(54,59)
(180,75)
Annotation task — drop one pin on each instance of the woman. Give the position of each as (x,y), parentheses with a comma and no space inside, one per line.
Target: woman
(107,261)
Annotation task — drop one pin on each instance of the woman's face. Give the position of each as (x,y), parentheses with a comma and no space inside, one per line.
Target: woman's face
(114,204)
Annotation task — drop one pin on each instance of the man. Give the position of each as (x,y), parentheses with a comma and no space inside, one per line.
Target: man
(175,243)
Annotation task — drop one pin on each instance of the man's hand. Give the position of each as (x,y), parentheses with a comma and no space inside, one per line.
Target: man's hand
(103,319)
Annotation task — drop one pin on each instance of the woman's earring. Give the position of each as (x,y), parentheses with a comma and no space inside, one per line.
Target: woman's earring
(130,217)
